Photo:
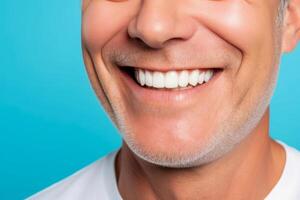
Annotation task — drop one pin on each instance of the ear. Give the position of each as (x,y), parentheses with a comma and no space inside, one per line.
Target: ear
(291,29)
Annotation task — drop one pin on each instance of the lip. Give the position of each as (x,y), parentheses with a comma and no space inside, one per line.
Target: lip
(169,68)
(167,97)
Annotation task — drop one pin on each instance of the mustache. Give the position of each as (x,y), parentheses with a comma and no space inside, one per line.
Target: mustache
(175,57)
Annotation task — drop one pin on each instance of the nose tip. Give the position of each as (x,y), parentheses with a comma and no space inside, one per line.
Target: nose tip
(157,22)
(153,33)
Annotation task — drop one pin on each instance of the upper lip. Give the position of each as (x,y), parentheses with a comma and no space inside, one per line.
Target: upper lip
(166,68)
(169,61)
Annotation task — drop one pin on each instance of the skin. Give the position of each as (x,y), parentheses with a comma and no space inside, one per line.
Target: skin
(185,148)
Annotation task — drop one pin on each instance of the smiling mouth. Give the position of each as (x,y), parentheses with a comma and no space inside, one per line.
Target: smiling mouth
(170,80)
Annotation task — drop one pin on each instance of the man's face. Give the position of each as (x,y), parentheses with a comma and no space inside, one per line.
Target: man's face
(182,125)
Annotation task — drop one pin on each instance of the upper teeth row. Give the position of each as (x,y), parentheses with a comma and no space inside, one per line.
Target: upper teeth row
(172,79)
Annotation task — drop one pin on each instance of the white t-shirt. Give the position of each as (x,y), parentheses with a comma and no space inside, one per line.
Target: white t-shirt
(98,181)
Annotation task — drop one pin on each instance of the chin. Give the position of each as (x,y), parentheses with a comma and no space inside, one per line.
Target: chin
(172,148)
(186,146)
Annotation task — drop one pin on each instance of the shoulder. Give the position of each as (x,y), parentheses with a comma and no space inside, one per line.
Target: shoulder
(291,174)
(289,183)
(292,156)
(89,182)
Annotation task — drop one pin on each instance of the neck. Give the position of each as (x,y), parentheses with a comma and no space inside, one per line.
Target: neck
(249,171)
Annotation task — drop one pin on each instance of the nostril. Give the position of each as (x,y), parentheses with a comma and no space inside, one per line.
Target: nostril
(151,39)
(139,42)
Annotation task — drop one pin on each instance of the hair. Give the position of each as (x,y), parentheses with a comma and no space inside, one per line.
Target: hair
(282,7)
(281,13)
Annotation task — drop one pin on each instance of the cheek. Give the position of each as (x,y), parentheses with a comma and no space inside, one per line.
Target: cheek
(103,19)
(249,27)
(243,24)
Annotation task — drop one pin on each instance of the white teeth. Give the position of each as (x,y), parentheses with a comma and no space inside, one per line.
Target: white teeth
(183,78)
(142,78)
(136,75)
(172,79)
(208,75)
(201,77)
(193,78)
(158,80)
(148,75)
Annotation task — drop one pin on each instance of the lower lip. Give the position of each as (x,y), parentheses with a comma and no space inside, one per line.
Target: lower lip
(167,96)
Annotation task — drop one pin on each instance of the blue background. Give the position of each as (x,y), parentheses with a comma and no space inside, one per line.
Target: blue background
(51,123)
